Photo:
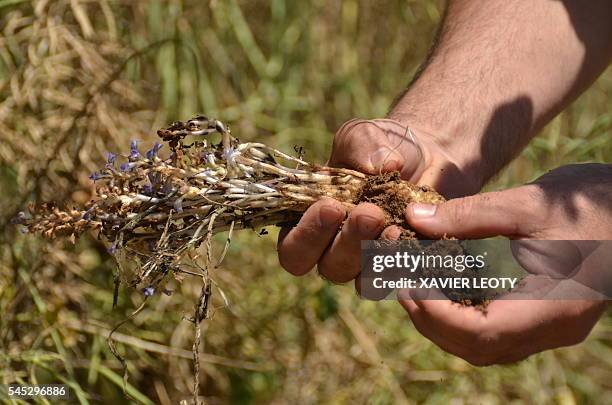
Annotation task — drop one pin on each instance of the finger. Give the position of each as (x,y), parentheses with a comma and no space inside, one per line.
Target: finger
(509,331)
(341,263)
(375,146)
(505,326)
(389,233)
(569,323)
(458,323)
(446,177)
(364,289)
(301,247)
(392,232)
(480,216)
(427,329)
(462,331)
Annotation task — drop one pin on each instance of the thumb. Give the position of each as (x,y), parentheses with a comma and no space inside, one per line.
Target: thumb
(480,216)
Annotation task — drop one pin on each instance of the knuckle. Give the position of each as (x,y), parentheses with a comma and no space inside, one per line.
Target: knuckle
(351,131)
(461,210)
(530,204)
(344,133)
(306,233)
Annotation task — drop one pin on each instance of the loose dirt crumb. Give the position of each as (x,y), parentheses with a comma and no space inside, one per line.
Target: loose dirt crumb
(389,192)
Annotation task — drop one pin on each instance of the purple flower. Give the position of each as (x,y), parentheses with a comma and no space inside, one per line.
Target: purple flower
(148,291)
(111,158)
(95,176)
(167,188)
(112,249)
(19,219)
(152,153)
(87,214)
(127,166)
(153,178)
(134,154)
(147,189)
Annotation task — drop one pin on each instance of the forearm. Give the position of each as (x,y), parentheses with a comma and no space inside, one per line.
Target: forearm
(500,70)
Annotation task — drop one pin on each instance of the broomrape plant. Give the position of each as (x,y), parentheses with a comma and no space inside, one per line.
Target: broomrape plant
(157,209)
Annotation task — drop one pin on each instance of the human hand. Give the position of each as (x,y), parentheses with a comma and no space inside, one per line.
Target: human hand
(369,146)
(569,203)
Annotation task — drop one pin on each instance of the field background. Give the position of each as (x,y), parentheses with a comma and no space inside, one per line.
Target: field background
(79,78)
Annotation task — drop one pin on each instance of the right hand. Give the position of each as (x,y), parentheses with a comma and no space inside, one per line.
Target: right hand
(372,147)
(561,225)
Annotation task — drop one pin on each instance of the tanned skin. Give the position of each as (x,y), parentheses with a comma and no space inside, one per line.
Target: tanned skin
(499,71)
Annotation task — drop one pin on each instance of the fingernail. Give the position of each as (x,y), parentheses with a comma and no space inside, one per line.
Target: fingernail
(329,216)
(419,294)
(404,294)
(368,225)
(423,210)
(385,158)
(412,294)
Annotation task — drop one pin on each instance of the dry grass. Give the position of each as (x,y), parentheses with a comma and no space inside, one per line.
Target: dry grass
(286,73)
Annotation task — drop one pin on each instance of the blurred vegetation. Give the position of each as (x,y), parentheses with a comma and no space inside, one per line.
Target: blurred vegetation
(81,77)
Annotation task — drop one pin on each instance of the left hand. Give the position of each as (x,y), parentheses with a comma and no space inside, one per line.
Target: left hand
(572,202)
(373,147)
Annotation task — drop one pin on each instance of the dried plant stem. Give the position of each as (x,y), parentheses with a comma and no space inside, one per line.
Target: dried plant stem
(113,348)
(156,211)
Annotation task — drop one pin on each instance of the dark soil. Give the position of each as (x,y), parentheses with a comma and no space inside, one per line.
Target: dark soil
(391,194)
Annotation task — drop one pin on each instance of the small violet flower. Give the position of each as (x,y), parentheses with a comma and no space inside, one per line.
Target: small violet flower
(87,214)
(19,219)
(134,154)
(148,291)
(147,189)
(95,176)
(111,159)
(127,166)
(152,153)
(112,248)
